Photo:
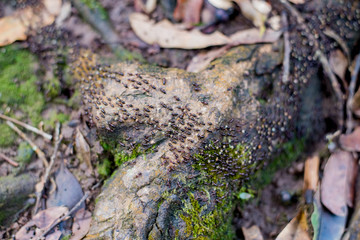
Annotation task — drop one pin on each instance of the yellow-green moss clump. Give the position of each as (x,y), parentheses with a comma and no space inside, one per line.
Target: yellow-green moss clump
(19,89)
(203,224)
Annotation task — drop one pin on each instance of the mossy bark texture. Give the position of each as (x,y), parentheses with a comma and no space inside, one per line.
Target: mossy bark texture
(199,136)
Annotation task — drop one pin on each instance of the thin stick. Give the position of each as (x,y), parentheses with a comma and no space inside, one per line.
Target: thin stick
(9,160)
(318,53)
(287,49)
(58,139)
(354,75)
(57,221)
(27,126)
(37,150)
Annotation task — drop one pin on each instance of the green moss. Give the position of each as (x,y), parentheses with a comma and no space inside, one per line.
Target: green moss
(105,168)
(204,160)
(7,136)
(19,83)
(290,151)
(56,117)
(122,156)
(52,87)
(201,224)
(24,153)
(95,6)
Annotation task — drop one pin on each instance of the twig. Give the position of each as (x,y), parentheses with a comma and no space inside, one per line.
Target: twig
(287,49)
(349,102)
(58,139)
(318,53)
(57,221)
(27,126)
(330,33)
(36,149)
(9,160)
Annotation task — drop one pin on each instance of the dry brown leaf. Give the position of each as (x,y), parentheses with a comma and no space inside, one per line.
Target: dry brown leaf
(249,36)
(42,220)
(167,35)
(18,25)
(336,186)
(338,63)
(297,229)
(82,149)
(311,173)
(81,224)
(252,233)
(189,11)
(351,142)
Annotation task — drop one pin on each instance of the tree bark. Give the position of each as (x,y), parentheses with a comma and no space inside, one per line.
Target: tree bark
(192,140)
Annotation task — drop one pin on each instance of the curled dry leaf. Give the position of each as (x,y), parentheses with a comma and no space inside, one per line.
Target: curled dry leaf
(167,35)
(42,220)
(297,228)
(81,224)
(18,25)
(351,142)
(338,63)
(249,36)
(337,184)
(82,149)
(252,233)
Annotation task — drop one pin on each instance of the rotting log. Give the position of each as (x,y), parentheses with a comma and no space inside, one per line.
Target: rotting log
(198,137)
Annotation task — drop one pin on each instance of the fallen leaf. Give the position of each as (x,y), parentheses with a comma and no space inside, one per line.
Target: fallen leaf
(262,6)
(252,233)
(42,220)
(200,61)
(353,229)
(150,6)
(249,36)
(253,35)
(296,229)
(275,22)
(82,149)
(351,142)
(297,1)
(81,224)
(188,11)
(64,13)
(18,25)
(311,173)
(68,190)
(325,224)
(223,4)
(338,63)
(335,189)
(251,13)
(167,35)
